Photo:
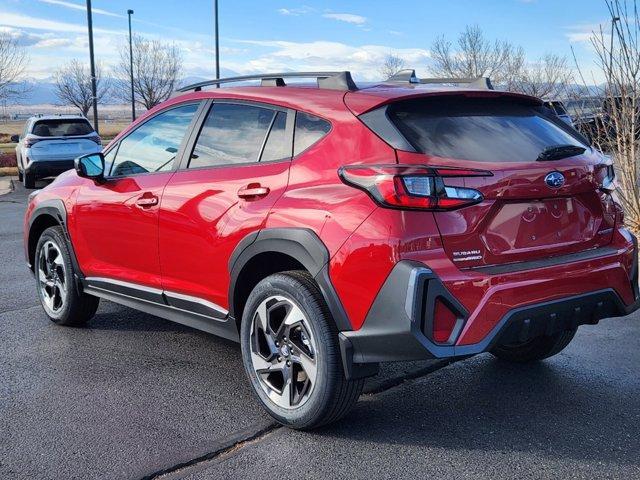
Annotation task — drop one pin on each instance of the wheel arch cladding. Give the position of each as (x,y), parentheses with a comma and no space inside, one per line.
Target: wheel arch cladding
(48,214)
(274,250)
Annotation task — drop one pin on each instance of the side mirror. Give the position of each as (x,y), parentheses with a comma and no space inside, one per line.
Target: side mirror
(15,138)
(90,166)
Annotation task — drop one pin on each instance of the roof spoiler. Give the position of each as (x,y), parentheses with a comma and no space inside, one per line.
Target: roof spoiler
(409,76)
(326,80)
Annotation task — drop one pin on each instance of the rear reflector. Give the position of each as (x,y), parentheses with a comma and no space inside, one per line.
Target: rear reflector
(444,322)
(413,187)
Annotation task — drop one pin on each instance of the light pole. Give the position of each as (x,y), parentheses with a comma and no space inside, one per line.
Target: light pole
(133,98)
(215,17)
(92,63)
(613,27)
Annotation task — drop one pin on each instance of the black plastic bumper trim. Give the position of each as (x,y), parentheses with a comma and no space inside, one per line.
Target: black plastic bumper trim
(392,332)
(546,262)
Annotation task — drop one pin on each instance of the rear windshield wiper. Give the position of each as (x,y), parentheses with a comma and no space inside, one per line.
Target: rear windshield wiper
(556,152)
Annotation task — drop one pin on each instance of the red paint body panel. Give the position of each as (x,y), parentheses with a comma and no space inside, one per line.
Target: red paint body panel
(202,220)
(115,237)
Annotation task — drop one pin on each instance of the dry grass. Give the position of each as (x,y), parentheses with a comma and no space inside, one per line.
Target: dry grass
(8,171)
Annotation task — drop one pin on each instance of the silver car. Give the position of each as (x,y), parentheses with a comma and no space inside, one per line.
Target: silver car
(49,144)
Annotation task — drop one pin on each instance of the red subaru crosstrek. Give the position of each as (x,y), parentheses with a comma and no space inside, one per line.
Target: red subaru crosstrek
(329,228)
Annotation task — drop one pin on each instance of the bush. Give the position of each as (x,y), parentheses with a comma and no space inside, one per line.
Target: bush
(8,159)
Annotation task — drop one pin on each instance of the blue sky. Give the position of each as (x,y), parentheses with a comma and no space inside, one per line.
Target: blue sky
(279,35)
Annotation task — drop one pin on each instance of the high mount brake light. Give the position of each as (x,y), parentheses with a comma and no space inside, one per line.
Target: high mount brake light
(413,187)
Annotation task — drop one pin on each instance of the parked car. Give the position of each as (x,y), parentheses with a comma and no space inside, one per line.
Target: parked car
(557,107)
(331,228)
(49,143)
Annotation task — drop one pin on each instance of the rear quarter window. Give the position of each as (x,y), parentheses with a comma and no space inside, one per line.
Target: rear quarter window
(309,130)
(480,129)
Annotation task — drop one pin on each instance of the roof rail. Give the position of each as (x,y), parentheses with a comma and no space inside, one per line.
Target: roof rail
(327,80)
(409,76)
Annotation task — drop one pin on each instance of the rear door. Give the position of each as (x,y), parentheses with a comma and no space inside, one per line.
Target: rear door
(233,171)
(534,206)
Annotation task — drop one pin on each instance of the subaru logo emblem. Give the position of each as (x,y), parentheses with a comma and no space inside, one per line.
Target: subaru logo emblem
(554,179)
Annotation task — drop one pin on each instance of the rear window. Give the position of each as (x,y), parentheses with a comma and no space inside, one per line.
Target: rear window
(61,128)
(479,129)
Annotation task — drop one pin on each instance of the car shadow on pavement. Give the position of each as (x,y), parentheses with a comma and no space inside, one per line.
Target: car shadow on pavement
(486,404)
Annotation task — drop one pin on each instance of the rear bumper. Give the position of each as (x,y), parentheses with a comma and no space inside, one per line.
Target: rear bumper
(398,325)
(48,168)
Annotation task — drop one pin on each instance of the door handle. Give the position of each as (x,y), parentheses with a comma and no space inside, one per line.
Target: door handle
(253,191)
(147,200)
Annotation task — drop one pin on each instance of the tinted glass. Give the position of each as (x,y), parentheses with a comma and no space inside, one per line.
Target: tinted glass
(61,128)
(309,129)
(231,134)
(153,146)
(480,129)
(278,146)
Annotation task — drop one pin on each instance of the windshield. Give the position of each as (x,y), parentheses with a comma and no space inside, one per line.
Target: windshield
(62,127)
(480,129)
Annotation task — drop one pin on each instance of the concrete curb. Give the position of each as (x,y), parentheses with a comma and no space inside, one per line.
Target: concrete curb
(6,184)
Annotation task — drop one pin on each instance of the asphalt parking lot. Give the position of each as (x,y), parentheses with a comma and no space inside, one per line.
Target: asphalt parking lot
(134,396)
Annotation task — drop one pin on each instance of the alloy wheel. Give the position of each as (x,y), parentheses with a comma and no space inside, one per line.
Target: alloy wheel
(52,277)
(283,352)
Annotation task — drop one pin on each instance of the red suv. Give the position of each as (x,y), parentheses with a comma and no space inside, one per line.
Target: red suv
(329,228)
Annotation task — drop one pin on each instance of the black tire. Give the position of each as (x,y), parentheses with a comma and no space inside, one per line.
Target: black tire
(332,395)
(29,180)
(76,308)
(535,349)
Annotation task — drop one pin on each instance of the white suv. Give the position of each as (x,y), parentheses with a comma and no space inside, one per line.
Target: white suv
(49,144)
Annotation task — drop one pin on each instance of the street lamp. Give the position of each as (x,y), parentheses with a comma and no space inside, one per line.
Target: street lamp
(215,18)
(133,98)
(92,63)
(610,69)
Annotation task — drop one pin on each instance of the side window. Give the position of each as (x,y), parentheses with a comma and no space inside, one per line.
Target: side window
(153,146)
(231,134)
(309,129)
(278,144)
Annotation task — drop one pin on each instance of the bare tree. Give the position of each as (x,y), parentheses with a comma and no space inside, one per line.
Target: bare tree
(156,69)
(392,65)
(548,77)
(73,85)
(476,56)
(618,56)
(13,62)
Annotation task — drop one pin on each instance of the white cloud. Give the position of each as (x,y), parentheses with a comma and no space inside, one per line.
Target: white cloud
(83,7)
(54,43)
(364,61)
(347,17)
(27,21)
(296,12)
(584,32)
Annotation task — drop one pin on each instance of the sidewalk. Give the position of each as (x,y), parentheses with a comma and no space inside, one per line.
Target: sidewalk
(6,185)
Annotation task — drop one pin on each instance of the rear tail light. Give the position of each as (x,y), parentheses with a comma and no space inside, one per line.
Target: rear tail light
(444,321)
(609,177)
(96,138)
(413,187)
(30,142)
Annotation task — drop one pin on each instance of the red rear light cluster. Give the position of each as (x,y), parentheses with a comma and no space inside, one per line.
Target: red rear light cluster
(413,187)
(30,142)
(444,321)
